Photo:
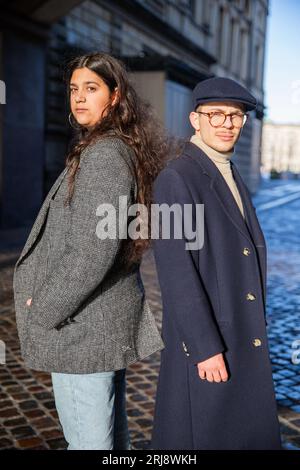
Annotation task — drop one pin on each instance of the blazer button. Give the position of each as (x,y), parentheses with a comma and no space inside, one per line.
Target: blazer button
(250,296)
(256,342)
(246,251)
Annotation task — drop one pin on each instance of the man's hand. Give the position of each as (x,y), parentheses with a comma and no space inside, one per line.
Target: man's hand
(213,369)
(28,302)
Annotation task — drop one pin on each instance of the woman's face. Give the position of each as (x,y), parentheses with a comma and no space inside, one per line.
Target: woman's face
(89,95)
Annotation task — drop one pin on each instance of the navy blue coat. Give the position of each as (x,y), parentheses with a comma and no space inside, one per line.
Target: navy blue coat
(213,301)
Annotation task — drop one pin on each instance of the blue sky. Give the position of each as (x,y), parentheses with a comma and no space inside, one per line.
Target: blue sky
(282,66)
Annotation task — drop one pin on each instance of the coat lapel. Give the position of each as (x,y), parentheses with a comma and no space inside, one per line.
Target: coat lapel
(250,226)
(41,217)
(219,187)
(253,224)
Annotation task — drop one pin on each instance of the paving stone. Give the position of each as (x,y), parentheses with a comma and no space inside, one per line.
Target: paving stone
(289,446)
(296,408)
(29,443)
(43,396)
(5,404)
(5,443)
(295,441)
(50,405)
(34,413)
(9,412)
(137,397)
(55,444)
(20,396)
(51,434)
(141,445)
(44,423)
(288,431)
(22,431)
(134,412)
(14,389)
(28,405)
(14,422)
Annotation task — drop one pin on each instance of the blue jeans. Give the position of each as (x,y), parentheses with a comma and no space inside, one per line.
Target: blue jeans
(92,410)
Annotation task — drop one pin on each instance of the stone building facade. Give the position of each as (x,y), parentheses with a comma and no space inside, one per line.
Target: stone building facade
(280,148)
(168,46)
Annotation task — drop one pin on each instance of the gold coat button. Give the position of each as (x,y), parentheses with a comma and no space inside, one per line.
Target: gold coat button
(185,349)
(256,342)
(250,296)
(246,251)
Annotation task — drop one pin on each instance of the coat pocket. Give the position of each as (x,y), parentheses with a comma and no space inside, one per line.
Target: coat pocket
(119,318)
(81,335)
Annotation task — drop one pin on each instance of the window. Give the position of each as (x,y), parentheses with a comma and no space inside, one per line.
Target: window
(231,48)
(157,6)
(257,69)
(244,54)
(247,7)
(220,47)
(192,7)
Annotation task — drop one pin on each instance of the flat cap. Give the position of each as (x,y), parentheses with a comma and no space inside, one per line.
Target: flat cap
(222,89)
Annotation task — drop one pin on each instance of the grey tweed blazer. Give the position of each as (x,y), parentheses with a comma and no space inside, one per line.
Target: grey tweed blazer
(87,313)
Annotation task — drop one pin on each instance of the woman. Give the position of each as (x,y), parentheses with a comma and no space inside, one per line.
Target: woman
(80,305)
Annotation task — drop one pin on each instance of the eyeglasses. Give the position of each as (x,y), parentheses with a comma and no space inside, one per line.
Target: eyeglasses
(217,119)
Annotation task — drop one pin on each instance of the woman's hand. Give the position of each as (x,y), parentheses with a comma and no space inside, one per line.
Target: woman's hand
(29,301)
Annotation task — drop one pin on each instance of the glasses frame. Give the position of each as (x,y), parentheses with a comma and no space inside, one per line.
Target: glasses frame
(245,117)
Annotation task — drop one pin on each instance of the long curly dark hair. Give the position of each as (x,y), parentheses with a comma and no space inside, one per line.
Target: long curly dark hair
(131,120)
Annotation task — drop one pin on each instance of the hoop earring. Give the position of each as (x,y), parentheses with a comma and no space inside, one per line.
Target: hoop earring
(72,125)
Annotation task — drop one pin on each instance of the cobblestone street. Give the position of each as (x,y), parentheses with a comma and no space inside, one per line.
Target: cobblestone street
(281,225)
(27,410)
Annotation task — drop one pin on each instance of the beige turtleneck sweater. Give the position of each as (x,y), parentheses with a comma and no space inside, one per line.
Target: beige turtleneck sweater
(222,161)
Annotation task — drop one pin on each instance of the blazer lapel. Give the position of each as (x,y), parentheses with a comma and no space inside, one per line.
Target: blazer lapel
(41,217)
(219,187)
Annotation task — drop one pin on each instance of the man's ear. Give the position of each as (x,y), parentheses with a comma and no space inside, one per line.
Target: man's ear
(194,120)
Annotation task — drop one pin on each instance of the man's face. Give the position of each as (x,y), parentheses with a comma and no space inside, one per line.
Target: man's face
(224,137)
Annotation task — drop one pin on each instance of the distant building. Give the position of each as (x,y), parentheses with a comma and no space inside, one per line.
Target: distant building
(168,45)
(280,148)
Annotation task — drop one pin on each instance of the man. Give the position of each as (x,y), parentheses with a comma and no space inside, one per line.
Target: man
(215,388)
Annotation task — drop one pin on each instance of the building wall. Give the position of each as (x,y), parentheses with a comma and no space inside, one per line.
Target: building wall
(23,130)
(1,116)
(178,108)
(151,85)
(195,38)
(238,42)
(233,32)
(280,147)
(104,26)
